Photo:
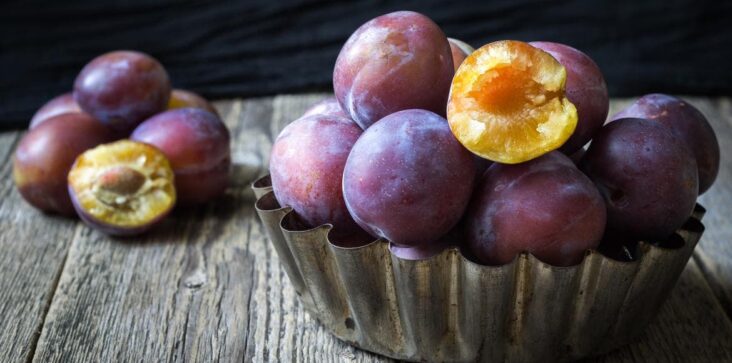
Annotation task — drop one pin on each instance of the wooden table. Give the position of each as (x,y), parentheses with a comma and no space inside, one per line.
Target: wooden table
(207,286)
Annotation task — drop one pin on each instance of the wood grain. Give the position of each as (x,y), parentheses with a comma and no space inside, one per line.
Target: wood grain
(207,286)
(283,332)
(181,293)
(33,248)
(714,253)
(691,327)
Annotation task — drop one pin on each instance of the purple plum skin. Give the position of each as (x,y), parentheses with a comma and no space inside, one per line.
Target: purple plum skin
(408,179)
(647,176)
(544,206)
(197,143)
(585,88)
(328,106)
(394,62)
(45,155)
(685,122)
(58,105)
(122,89)
(460,50)
(306,168)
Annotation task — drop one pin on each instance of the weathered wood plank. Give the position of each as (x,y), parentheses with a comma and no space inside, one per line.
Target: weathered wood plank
(282,331)
(180,293)
(714,253)
(207,285)
(691,327)
(33,248)
(192,289)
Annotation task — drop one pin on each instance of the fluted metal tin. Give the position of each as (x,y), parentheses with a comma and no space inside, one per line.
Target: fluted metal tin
(447,308)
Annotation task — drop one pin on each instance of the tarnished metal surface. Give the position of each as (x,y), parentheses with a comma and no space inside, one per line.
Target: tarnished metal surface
(447,308)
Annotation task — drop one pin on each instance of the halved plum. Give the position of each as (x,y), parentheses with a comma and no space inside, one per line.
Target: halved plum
(122,188)
(508,104)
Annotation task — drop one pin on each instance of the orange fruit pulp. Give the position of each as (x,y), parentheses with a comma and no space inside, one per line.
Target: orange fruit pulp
(507,103)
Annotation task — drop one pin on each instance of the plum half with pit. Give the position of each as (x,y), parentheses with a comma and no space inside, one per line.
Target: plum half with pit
(545,206)
(123,188)
(394,62)
(197,144)
(64,103)
(685,122)
(45,155)
(408,179)
(647,176)
(122,88)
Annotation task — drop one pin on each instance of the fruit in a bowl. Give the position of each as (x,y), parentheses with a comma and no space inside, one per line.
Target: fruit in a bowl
(123,188)
(460,50)
(58,105)
(122,88)
(328,107)
(196,142)
(507,103)
(306,168)
(585,88)
(407,179)
(647,176)
(180,98)
(45,155)
(545,206)
(685,122)
(394,62)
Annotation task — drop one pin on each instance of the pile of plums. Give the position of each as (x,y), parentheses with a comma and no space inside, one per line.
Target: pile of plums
(123,148)
(429,143)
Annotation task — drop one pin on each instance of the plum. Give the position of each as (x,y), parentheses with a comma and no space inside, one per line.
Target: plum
(585,88)
(328,106)
(481,165)
(577,155)
(196,142)
(646,175)
(507,103)
(459,50)
(122,88)
(686,123)
(180,98)
(407,179)
(394,62)
(45,155)
(423,252)
(58,105)
(123,188)
(545,206)
(306,168)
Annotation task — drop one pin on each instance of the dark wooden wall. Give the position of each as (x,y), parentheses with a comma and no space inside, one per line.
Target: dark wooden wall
(248,48)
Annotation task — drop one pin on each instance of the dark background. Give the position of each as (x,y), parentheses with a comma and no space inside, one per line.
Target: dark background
(252,48)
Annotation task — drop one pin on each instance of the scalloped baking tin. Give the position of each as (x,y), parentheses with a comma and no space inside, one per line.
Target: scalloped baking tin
(448,308)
